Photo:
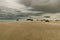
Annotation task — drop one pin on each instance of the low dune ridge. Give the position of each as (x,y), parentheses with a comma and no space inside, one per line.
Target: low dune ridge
(29,30)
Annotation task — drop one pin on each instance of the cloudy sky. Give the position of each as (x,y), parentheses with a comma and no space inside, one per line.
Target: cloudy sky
(45,7)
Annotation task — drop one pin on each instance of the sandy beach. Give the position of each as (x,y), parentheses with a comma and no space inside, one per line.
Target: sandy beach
(29,30)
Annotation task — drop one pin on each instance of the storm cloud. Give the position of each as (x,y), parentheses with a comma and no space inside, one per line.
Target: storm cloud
(12,9)
(43,5)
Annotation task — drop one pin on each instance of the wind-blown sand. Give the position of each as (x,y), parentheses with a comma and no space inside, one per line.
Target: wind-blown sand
(29,30)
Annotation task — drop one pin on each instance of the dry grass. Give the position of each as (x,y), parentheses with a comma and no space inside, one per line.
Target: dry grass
(25,30)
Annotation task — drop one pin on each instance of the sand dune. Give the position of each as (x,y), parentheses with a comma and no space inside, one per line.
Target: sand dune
(29,30)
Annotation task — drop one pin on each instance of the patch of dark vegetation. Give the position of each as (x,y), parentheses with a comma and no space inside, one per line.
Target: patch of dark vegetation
(29,19)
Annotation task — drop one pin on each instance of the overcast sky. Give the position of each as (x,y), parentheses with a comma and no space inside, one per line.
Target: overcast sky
(46,6)
(50,7)
(41,5)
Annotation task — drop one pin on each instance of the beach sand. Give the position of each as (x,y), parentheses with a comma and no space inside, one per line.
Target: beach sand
(29,30)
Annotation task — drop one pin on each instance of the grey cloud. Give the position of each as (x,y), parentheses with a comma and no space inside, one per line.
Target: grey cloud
(43,5)
(11,11)
(11,14)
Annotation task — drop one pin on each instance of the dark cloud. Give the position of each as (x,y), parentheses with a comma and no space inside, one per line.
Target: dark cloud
(13,9)
(43,5)
(12,14)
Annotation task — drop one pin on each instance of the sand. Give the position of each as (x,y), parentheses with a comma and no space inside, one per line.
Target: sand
(29,30)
